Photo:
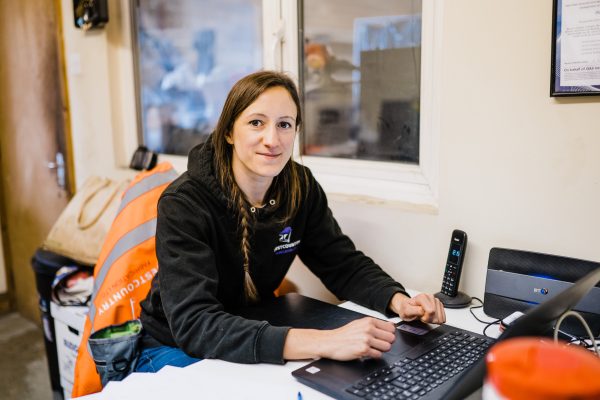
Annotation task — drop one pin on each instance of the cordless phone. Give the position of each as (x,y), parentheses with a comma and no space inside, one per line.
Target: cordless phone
(458,245)
(449,294)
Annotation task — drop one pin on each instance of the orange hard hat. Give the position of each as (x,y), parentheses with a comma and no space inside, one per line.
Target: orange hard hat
(537,368)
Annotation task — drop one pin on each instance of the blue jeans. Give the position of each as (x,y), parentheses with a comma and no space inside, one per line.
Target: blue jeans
(154,358)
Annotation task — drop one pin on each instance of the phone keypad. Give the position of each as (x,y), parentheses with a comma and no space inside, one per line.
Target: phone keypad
(450,282)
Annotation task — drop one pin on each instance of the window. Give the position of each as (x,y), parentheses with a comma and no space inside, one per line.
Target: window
(361,79)
(187,60)
(368,70)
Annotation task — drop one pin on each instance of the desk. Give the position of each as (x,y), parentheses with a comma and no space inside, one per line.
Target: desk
(221,380)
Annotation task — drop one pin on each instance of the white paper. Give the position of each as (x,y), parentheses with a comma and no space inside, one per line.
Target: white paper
(213,380)
(580,43)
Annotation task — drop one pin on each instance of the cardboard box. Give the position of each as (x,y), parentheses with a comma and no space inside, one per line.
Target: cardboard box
(67,388)
(68,327)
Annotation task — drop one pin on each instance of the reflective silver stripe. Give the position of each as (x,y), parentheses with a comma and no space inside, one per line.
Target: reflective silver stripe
(131,239)
(145,185)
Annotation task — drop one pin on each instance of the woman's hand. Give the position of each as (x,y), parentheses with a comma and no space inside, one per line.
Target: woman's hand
(423,306)
(365,337)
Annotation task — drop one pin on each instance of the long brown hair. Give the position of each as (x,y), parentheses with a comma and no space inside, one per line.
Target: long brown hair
(286,188)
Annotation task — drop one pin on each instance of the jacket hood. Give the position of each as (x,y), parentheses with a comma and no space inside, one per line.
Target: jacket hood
(201,169)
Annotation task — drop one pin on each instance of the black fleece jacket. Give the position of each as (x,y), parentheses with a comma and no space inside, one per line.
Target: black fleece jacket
(200,274)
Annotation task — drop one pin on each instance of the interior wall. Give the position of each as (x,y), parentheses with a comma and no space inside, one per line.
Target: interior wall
(518,169)
(101,104)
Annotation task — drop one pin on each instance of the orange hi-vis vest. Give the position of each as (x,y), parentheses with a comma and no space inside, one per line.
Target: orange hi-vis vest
(125,267)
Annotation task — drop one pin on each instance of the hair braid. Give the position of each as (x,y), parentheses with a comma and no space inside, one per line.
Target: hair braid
(250,291)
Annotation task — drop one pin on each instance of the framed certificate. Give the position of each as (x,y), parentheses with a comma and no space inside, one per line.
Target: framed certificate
(575,67)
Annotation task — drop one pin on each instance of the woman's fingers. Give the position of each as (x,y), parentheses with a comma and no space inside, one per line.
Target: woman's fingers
(425,307)
(383,328)
(427,303)
(433,310)
(440,313)
(381,345)
(366,337)
(377,339)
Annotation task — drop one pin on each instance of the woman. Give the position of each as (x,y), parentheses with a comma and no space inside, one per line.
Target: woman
(228,230)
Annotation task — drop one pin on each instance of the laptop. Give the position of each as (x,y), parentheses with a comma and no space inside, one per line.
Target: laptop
(411,369)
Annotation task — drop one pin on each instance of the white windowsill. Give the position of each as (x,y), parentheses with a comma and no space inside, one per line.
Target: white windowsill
(376,183)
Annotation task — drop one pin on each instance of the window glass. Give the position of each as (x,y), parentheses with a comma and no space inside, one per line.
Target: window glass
(361,78)
(189,54)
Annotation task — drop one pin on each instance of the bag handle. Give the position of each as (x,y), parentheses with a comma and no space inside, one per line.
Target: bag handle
(89,197)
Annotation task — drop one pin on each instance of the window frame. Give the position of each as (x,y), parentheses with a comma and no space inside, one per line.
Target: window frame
(379,182)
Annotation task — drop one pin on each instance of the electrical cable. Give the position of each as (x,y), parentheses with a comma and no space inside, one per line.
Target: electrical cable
(487,323)
(480,306)
(487,326)
(573,339)
(590,345)
(585,325)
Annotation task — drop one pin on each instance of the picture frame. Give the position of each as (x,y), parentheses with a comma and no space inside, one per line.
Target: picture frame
(575,65)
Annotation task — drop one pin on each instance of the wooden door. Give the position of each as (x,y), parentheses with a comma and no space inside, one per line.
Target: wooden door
(33,115)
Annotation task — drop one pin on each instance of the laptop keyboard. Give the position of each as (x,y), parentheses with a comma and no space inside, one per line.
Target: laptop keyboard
(414,377)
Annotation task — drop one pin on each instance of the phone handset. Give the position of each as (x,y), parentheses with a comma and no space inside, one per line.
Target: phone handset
(449,294)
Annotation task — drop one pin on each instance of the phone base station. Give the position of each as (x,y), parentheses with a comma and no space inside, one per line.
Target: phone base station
(461,300)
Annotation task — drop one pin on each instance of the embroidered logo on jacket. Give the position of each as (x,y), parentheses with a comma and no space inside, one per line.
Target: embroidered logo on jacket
(285,236)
